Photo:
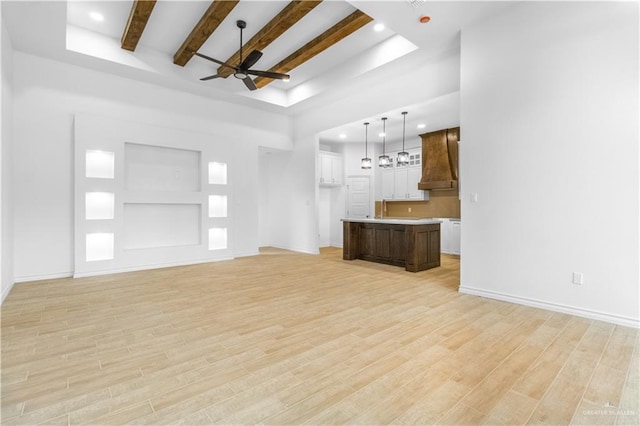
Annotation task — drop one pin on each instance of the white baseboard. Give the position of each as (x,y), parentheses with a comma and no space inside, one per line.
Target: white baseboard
(147,267)
(297,249)
(247,254)
(572,310)
(42,277)
(6,292)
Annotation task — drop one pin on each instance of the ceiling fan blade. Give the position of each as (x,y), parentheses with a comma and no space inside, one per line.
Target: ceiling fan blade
(211,77)
(214,60)
(251,59)
(269,74)
(249,83)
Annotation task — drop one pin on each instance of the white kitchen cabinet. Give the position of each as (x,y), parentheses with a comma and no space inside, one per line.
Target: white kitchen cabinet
(454,239)
(388,183)
(331,169)
(401,182)
(445,247)
(450,236)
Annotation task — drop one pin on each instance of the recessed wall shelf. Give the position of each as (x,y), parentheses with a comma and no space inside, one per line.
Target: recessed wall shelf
(151,225)
(99,205)
(158,168)
(217,206)
(99,164)
(217,173)
(99,246)
(217,238)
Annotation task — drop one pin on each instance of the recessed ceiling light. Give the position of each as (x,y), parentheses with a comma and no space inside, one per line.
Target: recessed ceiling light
(421,126)
(378,27)
(286,80)
(96,16)
(342,135)
(381,134)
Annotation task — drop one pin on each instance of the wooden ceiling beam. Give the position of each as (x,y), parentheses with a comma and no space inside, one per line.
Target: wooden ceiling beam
(280,23)
(342,29)
(138,18)
(215,14)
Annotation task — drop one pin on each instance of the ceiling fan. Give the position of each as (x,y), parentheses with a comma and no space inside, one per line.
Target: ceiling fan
(242,71)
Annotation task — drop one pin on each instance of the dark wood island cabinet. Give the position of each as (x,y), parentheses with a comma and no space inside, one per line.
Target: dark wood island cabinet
(411,243)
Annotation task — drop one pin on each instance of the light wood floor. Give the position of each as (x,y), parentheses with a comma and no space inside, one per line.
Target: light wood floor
(286,338)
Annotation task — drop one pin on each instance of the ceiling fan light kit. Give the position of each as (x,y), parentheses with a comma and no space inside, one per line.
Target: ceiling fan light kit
(243,70)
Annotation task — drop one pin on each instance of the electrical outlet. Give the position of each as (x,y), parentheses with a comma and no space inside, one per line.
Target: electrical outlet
(578,278)
(409,209)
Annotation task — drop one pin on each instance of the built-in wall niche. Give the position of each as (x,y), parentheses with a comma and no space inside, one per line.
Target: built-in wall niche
(217,206)
(99,164)
(153,225)
(149,197)
(99,246)
(217,173)
(99,205)
(217,238)
(157,168)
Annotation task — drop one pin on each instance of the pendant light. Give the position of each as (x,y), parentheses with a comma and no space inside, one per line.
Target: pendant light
(384,160)
(366,161)
(403,157)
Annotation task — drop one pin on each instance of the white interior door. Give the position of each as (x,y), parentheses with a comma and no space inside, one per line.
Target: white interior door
(358,197)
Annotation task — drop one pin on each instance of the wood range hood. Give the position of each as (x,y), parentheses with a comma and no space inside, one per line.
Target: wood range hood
(440,159)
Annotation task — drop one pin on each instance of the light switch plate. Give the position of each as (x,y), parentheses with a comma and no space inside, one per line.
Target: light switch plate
(578,278)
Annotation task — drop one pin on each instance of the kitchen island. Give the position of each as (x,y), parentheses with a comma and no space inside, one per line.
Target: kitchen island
(411,243)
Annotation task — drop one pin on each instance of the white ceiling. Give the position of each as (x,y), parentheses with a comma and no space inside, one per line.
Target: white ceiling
(64,31)
(435,114)
(172,21)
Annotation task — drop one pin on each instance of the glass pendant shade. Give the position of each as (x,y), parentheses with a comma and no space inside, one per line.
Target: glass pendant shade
(384,161)
(403,157)
(365,163)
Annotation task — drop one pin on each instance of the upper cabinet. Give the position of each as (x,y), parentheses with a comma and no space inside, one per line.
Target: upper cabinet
(440,159)
(401,182)
(331,169)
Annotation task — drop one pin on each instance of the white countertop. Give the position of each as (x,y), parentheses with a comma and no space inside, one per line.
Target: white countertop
(396,221)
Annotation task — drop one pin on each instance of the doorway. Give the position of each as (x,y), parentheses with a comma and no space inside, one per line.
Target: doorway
(358,197)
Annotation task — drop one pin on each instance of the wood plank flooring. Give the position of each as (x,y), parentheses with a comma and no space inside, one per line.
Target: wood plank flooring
(288,338)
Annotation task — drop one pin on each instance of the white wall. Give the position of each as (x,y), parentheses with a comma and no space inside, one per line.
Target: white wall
(264,198)
(46,96)
(6,163)
(293,207)
(324,217)
(331,205)
(549,120)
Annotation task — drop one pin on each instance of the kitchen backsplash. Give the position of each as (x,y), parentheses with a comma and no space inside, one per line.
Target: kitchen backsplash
(440,204)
